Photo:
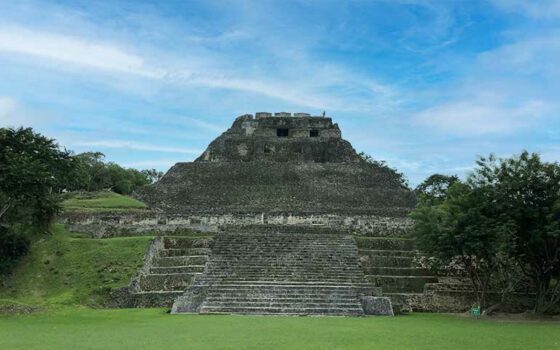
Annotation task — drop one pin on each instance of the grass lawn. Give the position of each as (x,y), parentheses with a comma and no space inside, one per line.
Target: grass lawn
(101,201)
(82,328)
(69,269)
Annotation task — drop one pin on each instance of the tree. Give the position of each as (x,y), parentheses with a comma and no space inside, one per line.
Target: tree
(33,173)
(435,187)
(456,230)
(92,173)
(153,175)
(505,218)
(524,193)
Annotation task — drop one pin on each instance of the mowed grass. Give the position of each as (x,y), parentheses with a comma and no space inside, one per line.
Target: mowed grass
(101,201)
(69,269)
(154,329)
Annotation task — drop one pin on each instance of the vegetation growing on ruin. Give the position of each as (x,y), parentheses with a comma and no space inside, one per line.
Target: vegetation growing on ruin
(154,329)
(70,269)
(100,201)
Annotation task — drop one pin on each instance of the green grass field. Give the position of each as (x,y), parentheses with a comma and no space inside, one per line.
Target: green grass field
(83,328)
(69,269)
(101,201)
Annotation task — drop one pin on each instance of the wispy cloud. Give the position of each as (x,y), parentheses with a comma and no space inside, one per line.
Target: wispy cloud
(542,9)
(72,50)
(308,90)
(134,146)
(481,115)
(15,114)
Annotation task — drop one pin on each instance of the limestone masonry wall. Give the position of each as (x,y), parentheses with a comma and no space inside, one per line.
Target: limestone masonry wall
(103,225)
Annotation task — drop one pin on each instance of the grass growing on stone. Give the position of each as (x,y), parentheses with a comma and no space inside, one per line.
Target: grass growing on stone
(81,328)
(68,269)
(101,201)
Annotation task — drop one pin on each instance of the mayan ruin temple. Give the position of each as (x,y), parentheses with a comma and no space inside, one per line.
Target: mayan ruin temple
(279,215)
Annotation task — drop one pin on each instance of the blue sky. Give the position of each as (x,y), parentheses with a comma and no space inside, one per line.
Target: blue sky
(424,85)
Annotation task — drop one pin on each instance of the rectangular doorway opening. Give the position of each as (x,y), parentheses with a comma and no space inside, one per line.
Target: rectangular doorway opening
(282,132)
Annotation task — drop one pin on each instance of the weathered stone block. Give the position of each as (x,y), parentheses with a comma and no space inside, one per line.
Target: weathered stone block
(379,306)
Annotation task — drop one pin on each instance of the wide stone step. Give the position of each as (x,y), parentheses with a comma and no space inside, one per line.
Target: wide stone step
(177,269)
(275,276)
(185,252)
(166,282)
(278,253)
(180,260)
(383,243)
(386,261)
(290,304)
(287,269)
(397,271)
(318,285)
(401,284)
(302,280)
(356,311)
(326,258)
(262,298)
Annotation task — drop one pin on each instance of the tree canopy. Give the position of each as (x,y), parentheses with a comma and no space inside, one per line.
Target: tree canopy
(507,212)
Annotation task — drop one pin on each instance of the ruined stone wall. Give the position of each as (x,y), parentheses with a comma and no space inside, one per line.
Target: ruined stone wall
(103,225)
(306,139)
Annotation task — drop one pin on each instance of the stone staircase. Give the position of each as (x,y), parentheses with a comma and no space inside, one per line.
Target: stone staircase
(170,266)
(388,262)
(284,273)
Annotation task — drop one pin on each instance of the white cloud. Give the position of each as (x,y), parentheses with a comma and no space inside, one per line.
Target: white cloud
(135,146)
(72,50)
(7,110)
(534,55)
(481,115)
(14,114)
(544,9)
(513,88)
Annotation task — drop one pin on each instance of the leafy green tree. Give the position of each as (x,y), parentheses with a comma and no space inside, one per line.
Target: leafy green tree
(505,218)
(33,173)
(456,230)
(524,194)
(435,187)
(92,173)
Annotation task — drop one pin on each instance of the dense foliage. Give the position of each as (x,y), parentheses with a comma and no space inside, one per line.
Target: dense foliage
(33,172)
(92,173)
(504,218)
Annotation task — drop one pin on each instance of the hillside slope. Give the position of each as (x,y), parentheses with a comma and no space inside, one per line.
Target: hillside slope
(71,269)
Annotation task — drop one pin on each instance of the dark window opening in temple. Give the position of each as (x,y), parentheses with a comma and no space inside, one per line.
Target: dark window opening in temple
(313,133)
(267,149)
(282,132)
